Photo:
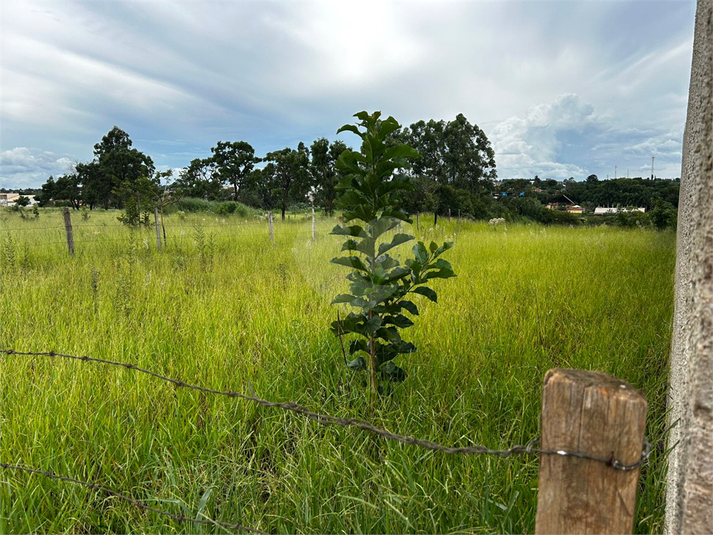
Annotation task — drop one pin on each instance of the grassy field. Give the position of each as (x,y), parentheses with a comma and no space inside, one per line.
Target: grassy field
(224,308)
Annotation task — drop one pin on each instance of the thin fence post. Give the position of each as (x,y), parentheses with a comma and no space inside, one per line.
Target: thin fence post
(600,415)
(417,225)
(435,219)
(272,229)
(313,222)
(68,230)
(449,215)
(158,229)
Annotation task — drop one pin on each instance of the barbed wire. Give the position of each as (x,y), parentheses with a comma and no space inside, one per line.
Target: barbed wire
(364,425)
(135,503)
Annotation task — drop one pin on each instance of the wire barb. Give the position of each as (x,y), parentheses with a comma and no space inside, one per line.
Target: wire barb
(326,419)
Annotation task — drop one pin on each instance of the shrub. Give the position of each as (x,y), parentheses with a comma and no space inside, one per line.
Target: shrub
(379,285)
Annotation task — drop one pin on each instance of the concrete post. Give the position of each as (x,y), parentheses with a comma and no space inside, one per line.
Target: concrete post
(689,496)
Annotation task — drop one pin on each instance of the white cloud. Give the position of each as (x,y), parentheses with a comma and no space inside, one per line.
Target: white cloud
(29,167)
(567,138)
(181,75)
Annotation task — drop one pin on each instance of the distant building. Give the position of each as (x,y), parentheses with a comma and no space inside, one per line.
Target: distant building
(9,199)
(604,210)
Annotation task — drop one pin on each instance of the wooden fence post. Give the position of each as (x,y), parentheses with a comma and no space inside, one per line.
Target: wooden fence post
(417,225)
(596,414)
(435,219)
(68,230)
(158,229)
(272,230)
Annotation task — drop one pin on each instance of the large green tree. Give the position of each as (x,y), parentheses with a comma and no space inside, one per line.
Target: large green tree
(325,174)
(288,175)
(234,162)
(455,153)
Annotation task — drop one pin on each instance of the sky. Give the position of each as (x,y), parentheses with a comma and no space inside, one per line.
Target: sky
(561,89)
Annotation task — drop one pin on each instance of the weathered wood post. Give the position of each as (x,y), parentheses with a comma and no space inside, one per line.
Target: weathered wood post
(68,230)
(449,215)
(435,219)
(272,229)
(599,415)
(158,229)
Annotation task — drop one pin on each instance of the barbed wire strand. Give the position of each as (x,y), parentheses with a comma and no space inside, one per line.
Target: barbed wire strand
(326,419)
(135,503)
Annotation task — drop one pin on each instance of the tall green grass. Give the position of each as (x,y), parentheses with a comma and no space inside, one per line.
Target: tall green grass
(225,308)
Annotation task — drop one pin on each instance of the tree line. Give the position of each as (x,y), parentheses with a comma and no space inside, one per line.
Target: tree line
(455,155)
(455,174)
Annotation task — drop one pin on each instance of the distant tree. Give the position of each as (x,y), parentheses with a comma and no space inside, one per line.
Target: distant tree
(288,175)
(456,153)
(200,179)
(96,185)
(64,188)
(22,201)
(119,163)
(592,179)
(234,161)
(325,175)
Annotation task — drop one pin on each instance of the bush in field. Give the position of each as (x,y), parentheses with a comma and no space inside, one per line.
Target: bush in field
(664,215)
(379,285)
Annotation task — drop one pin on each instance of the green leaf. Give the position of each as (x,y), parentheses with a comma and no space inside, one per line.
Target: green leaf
(393,372)
(350,261)
(401,321)
(343,298)
(433,247)
(443,248)
(390,334)
(358,363)
(349,128)
(405,347)
(354,230)
(357,345)
(420,253)
(427,292)
(410,306)
(401,151)
(397,240)
(372,325)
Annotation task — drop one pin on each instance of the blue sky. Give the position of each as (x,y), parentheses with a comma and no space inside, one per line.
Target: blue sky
(565,88)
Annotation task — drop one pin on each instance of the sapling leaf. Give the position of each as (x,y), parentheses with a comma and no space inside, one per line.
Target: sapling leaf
(399,320)
(358,363)
(350,261)
(357,345)
(410,306)
(443,248)
(420,253)
(397,240)
(427,292)
(343,298)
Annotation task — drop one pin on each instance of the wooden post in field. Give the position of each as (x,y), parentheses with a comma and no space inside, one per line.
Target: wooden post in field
(417,225)
(272,230)
(158,229)
(596,414)
(68,230)
(435,219)
(449,215)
